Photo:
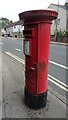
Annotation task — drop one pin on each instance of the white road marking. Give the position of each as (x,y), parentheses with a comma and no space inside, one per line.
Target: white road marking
(62,87)
(18,49)
(56,80)
(50,78)
(58,64)
(15,57)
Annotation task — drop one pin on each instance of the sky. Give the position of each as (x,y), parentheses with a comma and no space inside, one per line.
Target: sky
(11,8)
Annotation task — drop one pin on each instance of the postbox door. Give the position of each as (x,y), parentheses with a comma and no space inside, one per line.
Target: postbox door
(30,34)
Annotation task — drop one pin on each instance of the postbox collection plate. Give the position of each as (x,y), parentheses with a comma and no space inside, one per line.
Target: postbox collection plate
(26,47)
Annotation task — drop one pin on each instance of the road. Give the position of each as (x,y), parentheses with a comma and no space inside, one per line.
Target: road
(13,84)
(57,62)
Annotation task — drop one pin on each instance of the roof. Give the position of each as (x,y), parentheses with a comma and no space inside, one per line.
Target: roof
(61,6)
(18,23)
(11,24)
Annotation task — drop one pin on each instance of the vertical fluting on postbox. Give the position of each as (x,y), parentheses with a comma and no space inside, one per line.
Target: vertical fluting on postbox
(36,49)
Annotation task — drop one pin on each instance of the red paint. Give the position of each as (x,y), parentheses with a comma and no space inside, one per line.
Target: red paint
(36,64)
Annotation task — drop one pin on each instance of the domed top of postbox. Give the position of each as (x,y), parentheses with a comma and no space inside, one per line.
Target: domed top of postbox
(38,15)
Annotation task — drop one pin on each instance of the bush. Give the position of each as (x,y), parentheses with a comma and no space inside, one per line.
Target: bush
(65,32)
(62,33)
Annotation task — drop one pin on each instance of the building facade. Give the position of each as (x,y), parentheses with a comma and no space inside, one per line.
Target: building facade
(15,29)
(61,23)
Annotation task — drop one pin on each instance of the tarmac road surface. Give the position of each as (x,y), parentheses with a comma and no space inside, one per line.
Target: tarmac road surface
(13,81)
(57,62)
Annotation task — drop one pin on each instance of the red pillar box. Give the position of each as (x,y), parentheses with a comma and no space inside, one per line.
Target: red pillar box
(37,25)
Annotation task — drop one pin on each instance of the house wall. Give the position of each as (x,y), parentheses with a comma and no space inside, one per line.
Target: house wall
(62,16)
(9,30)
(17,28)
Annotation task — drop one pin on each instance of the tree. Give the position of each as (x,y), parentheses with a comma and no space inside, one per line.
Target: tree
(3,22)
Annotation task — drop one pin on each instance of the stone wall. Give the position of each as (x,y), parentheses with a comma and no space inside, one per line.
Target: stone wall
(59,38)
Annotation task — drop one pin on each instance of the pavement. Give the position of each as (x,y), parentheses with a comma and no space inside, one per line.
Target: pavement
(0,81)
(13,105)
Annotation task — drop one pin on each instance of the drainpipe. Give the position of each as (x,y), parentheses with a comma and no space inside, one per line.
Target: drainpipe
(57,21)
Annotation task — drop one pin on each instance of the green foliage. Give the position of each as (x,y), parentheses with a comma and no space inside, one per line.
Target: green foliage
(3,22)
(62,33)
(66,32)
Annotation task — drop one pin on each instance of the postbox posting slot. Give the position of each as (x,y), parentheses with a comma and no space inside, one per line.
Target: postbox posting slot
(28,32)
(26,47)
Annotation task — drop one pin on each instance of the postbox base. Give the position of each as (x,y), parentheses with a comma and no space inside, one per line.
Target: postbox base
(35,101)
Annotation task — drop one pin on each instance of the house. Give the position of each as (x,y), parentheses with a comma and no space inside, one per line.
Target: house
(9,28)
(61,23)
(15,29)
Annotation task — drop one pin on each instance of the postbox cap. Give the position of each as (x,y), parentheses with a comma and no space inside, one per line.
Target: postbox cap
(37,15)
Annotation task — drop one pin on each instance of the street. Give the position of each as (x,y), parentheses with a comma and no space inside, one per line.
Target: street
(34,59)
(13,63)
(57,61)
